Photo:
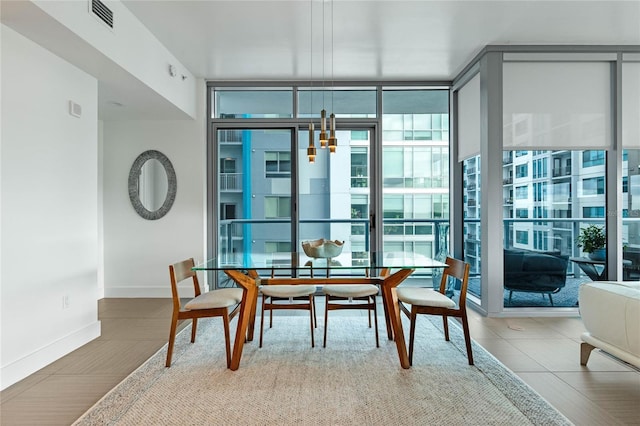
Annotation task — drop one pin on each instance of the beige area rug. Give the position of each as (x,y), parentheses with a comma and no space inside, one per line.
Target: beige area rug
(351,382)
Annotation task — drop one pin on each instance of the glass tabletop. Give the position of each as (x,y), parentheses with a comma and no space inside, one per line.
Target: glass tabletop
(295,260)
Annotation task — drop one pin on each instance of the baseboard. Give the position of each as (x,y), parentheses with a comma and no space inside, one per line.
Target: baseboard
(152,292)
(23,367)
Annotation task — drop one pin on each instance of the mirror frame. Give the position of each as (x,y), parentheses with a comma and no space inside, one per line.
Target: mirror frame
(134,178)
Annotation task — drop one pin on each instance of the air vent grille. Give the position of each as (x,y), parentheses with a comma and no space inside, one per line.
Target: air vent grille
(102,12)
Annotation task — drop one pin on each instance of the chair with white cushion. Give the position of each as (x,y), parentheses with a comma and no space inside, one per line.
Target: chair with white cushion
(286,296)
(351,296)
(223,303)
(429,301)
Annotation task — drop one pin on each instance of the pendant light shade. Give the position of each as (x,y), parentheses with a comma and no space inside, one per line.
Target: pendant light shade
(323,129)
(333,141)
(311,150)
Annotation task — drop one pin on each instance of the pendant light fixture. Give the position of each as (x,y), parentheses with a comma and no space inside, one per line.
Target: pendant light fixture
(324,139)
(311,149)
(333,141)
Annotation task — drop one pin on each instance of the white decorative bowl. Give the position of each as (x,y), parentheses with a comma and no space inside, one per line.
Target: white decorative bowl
(322,248)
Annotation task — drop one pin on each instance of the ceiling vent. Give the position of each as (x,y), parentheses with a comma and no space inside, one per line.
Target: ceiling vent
(102,12)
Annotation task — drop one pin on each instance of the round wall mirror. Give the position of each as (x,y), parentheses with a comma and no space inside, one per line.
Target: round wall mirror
(152,185)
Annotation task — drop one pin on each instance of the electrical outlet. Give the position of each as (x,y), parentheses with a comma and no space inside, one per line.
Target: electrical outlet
(65,301)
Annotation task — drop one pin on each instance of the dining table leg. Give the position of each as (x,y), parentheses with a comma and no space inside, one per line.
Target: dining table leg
(247,313)
(385,273)
(252,317)
(390,300)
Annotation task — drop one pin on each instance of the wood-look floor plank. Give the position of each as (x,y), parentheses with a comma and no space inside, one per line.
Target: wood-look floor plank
(57,400)
(606,385)
(564,355)
(573,404)
(135,308)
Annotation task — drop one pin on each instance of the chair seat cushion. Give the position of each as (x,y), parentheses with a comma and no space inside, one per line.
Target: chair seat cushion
(420,296)
(221,298)
(287,290)
(350,290)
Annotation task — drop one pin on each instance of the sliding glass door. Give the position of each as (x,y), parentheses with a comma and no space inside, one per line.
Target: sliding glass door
(334,192)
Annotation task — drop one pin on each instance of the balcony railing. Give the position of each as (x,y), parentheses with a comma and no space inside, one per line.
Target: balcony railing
(231,182)
(230,136)
(561,171)
(233,231)
(557,235)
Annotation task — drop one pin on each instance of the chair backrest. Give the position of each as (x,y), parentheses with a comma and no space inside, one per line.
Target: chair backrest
(460,270)
(179,272)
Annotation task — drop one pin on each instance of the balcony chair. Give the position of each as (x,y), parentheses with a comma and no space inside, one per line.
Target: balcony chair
(223,303)
(275,297)
(343,296)
(431,302)
(534,272)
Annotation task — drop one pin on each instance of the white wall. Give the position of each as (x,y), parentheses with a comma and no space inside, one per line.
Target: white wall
(137,252)
(130,45)
(49,198)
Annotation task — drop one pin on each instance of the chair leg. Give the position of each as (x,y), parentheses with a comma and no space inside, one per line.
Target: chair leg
(550,299)
(172,338)
(326,317)
(227,342)
(315,318)
(445,326)
(262,319)
(271,314)
(311,314)
(412,333)
(467,337)
(375,320)
(510,294)
(194,327)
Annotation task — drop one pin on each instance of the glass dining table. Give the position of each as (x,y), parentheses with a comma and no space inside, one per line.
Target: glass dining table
(385,269)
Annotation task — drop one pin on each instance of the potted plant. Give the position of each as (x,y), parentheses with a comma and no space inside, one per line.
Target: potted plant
(592,239)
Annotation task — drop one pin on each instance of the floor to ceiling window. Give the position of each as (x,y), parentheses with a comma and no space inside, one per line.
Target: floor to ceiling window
(631,215)
(554,186)
(387,186)
(415,171)
(631,170)
(555,195)
(270,198)
(547,146)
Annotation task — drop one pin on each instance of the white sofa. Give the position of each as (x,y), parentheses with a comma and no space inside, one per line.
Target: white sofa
(610,312)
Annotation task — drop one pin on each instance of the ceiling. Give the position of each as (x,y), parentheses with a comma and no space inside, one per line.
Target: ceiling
(363,40)
(372,40)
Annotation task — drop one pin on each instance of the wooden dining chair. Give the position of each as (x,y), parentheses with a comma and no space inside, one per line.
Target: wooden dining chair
(351,296)
(223,303)
(431,302)
(284,296)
